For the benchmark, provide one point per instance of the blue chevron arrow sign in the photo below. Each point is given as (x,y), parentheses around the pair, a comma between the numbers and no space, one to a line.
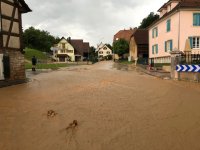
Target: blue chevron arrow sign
(188,68)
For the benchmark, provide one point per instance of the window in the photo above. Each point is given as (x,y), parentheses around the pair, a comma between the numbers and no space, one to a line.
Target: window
(63,45)
(100,52)
(155,49)
(196,19)
(168,25)
(108,52)
(168,46)
(195,42)
(105,48)
(155,32)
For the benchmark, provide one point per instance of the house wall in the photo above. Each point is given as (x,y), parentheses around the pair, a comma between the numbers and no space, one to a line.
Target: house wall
(68,46)
(163,36)
(17,65)
(133,49)
(163,12)
(179,40)
(173,5)
(187,29)
(14,47)
(104,52)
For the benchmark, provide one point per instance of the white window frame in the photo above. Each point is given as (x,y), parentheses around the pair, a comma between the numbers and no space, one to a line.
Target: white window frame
(168,46)
(195,42)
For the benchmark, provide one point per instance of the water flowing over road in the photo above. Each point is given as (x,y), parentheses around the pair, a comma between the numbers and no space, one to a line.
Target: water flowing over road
(116,108)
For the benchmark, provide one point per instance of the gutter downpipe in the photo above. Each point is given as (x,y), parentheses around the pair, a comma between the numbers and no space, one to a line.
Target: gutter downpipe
(179,30)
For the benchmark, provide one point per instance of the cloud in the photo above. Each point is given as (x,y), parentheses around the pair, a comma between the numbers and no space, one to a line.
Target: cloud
(91,20)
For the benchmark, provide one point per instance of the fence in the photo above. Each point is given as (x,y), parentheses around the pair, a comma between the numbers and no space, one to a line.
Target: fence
(189,58)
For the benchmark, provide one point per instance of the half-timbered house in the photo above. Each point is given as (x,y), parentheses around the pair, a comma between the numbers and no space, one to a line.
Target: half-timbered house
(11,45)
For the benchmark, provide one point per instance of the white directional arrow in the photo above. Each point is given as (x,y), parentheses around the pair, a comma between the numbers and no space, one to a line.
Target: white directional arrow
(179,68)
(184,68)
(191,68)
(198,68)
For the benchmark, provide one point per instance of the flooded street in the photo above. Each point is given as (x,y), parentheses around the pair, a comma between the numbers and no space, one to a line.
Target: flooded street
(116,108)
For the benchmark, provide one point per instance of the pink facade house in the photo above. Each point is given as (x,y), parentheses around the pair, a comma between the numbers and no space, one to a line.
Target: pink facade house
(178,28)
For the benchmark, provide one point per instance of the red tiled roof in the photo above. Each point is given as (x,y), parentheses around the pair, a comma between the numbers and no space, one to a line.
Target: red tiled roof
(124,34)
(141,36)
(79,46)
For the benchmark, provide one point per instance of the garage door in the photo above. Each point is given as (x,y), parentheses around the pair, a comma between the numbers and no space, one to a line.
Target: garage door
(1,67)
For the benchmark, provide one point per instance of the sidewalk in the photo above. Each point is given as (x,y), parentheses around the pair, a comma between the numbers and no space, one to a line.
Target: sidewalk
(159,73)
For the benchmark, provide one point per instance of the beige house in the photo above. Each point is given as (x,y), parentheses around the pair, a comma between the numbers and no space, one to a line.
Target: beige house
(138,47)
(12,68)
(103,50)
(63,51)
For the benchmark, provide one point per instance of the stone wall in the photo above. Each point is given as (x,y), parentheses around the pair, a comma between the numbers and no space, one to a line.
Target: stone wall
(17,65)
(189,76)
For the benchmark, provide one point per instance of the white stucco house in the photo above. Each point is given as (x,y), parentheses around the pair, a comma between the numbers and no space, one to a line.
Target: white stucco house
(103,50)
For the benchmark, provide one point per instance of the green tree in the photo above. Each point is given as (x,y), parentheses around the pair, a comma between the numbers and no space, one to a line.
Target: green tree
(93,55)
(121,47)
(148,20)
(39,39)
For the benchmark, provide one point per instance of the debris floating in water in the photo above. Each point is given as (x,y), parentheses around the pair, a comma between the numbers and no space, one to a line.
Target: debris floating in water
(72,125)
(51,113)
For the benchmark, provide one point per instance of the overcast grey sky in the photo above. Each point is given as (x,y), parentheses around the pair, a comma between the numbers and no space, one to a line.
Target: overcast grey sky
(91,20)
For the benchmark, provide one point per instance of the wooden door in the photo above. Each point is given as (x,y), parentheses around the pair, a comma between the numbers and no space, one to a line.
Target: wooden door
(1,67)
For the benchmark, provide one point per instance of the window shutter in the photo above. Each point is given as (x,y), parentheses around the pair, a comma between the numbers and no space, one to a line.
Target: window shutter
(171,45)
(165,46)
(156,32)
(191,42)
(152,33)
(157,49)
(152,49)
(194,20)
(198,19)
(168,25)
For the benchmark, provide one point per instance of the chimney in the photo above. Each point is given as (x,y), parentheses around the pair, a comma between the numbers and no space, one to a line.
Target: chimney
(69,39)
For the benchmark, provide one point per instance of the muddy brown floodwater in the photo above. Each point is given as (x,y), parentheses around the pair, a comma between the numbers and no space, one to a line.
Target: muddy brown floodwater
(100,107)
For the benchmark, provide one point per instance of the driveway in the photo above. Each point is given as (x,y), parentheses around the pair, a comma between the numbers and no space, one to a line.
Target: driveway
(116,108)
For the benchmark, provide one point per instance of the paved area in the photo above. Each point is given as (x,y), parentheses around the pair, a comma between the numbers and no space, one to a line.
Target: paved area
(116,108)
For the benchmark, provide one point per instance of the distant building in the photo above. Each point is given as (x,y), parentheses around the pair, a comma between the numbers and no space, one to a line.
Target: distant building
(12,66)
(103,50)
(63,51)
(139,44)
(124,34)
(81,49)
(177,28)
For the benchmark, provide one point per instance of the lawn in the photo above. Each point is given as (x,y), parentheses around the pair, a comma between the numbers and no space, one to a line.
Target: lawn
(125,62)
(41,57)
(29,53)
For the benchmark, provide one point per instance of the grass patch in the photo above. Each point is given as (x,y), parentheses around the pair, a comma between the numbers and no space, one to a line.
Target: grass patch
(161,64)
(125,62)
(46,66)
(29,53)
